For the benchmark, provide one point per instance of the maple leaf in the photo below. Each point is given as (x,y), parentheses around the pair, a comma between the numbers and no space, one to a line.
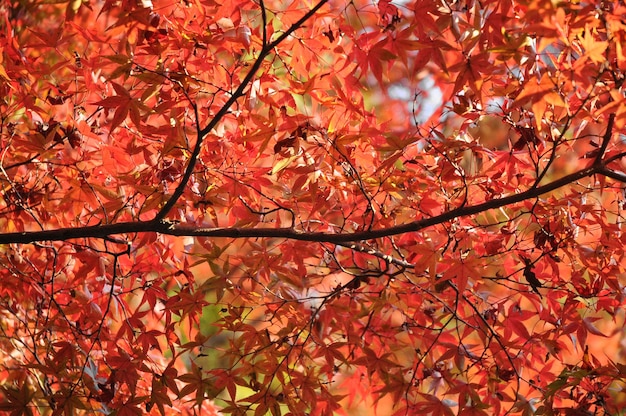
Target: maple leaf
(594,49)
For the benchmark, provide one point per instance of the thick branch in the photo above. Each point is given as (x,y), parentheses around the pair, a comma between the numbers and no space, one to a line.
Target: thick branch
(62,234)
(618,176)
(164,227)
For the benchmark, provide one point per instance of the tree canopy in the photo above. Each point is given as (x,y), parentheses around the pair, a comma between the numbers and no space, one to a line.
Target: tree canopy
(295,207)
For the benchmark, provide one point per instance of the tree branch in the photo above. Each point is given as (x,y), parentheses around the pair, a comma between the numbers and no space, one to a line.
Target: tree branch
(605,140)
(618,176)
(192,230)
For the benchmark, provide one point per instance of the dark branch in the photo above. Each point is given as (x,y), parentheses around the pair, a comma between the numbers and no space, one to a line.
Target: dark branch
(605,140)
(165,227)
(618,176)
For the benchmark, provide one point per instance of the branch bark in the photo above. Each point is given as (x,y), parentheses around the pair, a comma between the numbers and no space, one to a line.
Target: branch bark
(192,230)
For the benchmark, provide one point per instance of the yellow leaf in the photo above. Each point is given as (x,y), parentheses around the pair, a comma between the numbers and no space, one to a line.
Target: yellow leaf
(594,50)
(282,164)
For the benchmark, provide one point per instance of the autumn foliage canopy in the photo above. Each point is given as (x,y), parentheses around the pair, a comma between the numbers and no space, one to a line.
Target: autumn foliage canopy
(290,207)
